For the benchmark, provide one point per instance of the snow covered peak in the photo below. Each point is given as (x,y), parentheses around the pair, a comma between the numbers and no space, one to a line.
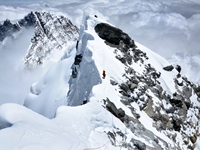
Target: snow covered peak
(8,28)
(52,36)
(141,102)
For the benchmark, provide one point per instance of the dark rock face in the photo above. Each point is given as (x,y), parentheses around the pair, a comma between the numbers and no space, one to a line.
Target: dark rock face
(119,113)
(109,33)
(178,68)
(76,65)
(168,68)
(140,145)
(7,29)
(114,36)
(78,59)
(28,21)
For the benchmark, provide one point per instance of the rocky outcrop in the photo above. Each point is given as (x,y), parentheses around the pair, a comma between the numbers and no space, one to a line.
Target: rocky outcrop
(114,36)
(110,106)
(170,112)
(28,21)
(135,126)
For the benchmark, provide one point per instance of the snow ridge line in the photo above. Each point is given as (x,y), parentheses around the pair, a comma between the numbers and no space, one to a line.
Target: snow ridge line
(85,71)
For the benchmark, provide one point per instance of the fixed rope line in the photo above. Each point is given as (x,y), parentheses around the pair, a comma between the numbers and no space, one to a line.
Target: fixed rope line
(96,147)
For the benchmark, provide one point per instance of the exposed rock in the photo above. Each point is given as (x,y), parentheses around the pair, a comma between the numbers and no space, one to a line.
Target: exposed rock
(123,60)
(168,68)
(114,36)
(176,102)
(124,87)
(176,123)
(140,145)
(110,106)
(178,68)
(178,75)
(113,82)
(149,109)
(193,138)
(130,70)
(28,21)
(187,92)
(133,86)
(157,90)
(111,136)
(74,71)
(78,59)
(177,82)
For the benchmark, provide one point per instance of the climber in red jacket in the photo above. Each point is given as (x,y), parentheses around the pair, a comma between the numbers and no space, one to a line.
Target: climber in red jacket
(104,74)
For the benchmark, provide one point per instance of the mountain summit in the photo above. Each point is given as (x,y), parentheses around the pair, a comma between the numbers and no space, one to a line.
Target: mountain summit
(143,102)
(53,33)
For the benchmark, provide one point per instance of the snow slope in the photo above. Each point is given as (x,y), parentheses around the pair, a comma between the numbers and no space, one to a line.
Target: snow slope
(69,130)
(60,121)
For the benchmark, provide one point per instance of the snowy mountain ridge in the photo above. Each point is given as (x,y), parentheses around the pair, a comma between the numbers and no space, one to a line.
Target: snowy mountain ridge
(52,34)
(147,104)
(9,29)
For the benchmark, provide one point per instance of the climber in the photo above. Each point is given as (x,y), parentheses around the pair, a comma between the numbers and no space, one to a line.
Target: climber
(95,16)
(104,74)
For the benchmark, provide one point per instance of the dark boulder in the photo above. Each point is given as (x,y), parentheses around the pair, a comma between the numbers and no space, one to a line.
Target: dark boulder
(119,113)
(140,145)
(109,33)
(176,124)
(114,35)
(176,102)
(168,68)
(178,68)
(124,87)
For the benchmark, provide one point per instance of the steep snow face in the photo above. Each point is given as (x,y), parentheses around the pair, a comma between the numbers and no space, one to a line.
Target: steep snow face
(52,36)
